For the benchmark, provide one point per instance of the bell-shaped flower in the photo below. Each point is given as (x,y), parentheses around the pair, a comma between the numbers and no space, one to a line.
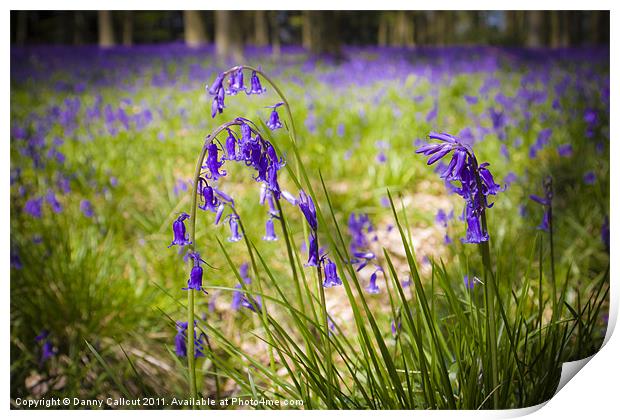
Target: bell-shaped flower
(179,232)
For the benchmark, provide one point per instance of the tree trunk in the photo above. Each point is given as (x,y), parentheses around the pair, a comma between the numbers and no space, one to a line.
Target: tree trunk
(403,29)
(79,27)
(306,30)
(127,28)
(275,34)
(324,34)
(106,28)
(21,34)
(261,28)
(382,35)
(534,27)
(194,28)
(228,37)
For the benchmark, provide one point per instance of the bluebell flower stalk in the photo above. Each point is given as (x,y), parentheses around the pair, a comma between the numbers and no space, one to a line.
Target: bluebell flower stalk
(547,225)
(476,185)
(248,147)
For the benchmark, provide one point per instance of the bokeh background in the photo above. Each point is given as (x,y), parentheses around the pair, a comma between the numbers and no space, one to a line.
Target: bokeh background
(109,111)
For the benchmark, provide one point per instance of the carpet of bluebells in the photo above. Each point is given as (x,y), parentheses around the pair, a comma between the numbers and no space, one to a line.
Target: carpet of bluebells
(103,151)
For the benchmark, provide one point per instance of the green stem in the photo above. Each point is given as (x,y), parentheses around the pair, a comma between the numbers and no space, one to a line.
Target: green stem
(489,293)
(191,362)
(553,287)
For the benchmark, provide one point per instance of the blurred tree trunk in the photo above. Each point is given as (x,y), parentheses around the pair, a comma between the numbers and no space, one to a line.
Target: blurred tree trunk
(576,25)
(106,28)
(324,38)
(127,28)
(194,28)
(228,36)
(421,28)
(275,34)
(79,27)
(306,30)
(600,31)
(535,25)
(261,28)
(556,31)
(21,33)
(403,29)
(382,35)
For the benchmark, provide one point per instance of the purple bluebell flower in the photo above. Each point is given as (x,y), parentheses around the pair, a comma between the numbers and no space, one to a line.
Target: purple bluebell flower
(307,208)
(34,207)
(210,201)
(396,327)
(565,150)
(195,276)
(237,81)
(274,119)
(289,197)
(546,202)
(331,274)
(16,261)
(233,223)
(217,84)
(87,208)
(472,100)
(605,233)
(255,86)
(180,341)
(270,233)
(50,197)
(47,348)
(589,178)
(476,181)
(313,251)
(213,164)
(372,287)
(231,145)
(469,283)
(219,213)
(432,114)
(443,218)
(178,229)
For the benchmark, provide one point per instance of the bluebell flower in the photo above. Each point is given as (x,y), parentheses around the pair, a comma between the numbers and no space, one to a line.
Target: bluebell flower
(469,283)
(589,178)
(178,229)
(605,233)
(255,85)
(195,276)
(34,207)
(50,197)
(217,84)
(274,119)
(180,341)
(47,348)
(233,223)
(16,261)
(565,150)
(87,208)
(270,233)
(546,202)
(331,274)
(213,164)
(313,251)
(208,196)
(372,287)
(231,146)
(307,208)
(476,181)
(396,327)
